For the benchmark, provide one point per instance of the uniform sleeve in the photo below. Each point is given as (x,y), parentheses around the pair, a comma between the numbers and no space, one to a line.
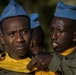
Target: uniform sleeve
(68,66)
(55,62)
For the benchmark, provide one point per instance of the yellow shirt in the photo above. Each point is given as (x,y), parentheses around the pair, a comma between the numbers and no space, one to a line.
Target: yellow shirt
(20,66)
(68,51)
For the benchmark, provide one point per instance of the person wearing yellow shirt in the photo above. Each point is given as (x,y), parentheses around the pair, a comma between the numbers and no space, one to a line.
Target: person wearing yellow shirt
(15,26)
(16,33)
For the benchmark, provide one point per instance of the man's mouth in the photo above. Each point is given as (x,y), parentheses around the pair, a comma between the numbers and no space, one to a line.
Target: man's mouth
(54,45)
(21,47)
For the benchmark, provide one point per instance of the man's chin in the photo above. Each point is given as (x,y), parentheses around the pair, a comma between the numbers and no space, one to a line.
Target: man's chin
(57,50)
(22,53)
(23,56)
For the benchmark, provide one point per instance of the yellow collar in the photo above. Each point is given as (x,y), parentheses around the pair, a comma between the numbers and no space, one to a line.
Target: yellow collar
(17,65)
(68,51)
(20,66)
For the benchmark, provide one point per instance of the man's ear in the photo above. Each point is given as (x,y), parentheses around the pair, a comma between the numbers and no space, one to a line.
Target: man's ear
(2,39)
(31,44)
(74,37)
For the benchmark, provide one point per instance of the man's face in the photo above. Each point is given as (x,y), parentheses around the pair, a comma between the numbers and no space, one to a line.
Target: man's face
(61,34)
(16,35)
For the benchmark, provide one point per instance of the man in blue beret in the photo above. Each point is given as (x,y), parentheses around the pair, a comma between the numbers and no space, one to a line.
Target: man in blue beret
(63,42)
(16,26)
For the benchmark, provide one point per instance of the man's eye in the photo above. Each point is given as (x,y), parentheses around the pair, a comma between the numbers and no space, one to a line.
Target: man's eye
(60,31)
(11,34)
(25,31)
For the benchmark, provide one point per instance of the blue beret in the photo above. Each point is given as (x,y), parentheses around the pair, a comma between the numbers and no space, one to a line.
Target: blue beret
(65,11)
(14,9)
(33,19)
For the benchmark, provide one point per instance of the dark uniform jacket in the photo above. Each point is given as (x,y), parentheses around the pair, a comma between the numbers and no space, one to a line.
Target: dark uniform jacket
(6,72)
(65,64)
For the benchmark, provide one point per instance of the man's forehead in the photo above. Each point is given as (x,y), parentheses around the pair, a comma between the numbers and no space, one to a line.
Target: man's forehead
(15,28)
(61,22)
(16,22)
(15,19)
(61,19)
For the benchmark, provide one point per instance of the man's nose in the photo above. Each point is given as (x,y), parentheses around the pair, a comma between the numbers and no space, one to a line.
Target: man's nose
(19,38)
(54,35)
